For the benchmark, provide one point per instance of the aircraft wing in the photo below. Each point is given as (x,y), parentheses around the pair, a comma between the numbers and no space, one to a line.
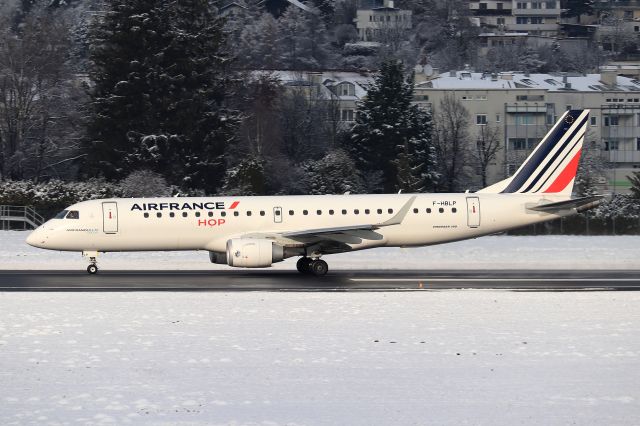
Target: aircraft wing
(580,204)
(342,235)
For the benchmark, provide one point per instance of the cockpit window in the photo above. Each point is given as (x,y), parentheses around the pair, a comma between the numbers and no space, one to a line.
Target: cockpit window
(62,214)
(73,214)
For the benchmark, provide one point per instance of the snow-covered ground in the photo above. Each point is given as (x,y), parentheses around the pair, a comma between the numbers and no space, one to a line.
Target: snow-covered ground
(404,358)
(493,252)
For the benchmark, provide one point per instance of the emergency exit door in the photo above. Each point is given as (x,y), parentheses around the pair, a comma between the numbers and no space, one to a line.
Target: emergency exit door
(277,214)
(110,217)
(473,212)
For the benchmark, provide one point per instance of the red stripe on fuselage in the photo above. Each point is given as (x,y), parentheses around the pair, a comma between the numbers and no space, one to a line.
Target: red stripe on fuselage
(234,205)
(566,176)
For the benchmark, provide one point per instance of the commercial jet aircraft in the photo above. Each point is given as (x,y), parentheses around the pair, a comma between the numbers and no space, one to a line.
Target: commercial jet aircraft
(255,232)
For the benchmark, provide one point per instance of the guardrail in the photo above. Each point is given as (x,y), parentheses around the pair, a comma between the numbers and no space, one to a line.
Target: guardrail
(22,216)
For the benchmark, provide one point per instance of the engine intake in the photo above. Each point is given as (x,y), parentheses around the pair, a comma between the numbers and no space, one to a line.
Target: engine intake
(253,253)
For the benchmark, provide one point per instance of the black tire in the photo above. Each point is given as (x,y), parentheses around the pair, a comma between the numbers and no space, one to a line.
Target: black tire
(303,265)
(319,268)
(92,269)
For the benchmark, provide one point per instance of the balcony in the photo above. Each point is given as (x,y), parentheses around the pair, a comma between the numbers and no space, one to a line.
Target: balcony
(621,156)
(537,12)
(620,132)
(534,27)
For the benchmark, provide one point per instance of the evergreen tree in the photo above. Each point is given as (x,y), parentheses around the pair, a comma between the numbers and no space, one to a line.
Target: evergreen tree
(159,70)
(391,135)
(635,184)
(332,174)
(573,8)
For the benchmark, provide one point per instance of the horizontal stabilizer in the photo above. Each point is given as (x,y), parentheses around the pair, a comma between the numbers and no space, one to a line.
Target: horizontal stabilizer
(580,204)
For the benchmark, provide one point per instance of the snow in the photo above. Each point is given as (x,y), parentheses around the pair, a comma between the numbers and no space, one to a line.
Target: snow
(445,358)
(492,252)
(481,357)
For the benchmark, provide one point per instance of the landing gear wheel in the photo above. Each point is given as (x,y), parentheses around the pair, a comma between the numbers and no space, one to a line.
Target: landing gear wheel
(303,265)
(92,269)
(319,267)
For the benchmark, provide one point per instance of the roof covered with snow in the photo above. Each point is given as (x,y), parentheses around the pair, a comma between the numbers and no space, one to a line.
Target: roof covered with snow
(554,82)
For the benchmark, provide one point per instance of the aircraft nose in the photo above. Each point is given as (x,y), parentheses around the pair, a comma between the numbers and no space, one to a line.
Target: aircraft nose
(37,238)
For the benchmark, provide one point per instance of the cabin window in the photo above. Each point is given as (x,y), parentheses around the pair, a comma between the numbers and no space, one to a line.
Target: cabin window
(248,213)
(262,213)
(197,214)
(62,214)
(172,214)
(184,214)
(236,213)
(441,210)
(146,215)
(305,212)
(73,214)
(454,210)
(415,210)
(223,214)
(319,212)
(344,211)
(291,212)
(356,211)
(367,211)
(159,214)
(428,210)
(331,212)
(210,214)
(379,211)
(390,211)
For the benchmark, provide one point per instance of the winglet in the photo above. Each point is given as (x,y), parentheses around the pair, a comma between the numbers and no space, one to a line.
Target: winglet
(399,217)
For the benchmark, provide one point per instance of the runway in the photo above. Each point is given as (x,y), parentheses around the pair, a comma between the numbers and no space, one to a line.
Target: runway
(355,280)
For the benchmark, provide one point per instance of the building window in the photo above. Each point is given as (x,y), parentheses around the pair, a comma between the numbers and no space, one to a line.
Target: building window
(536,20)
(482,6)
(500,6)
(637,144)
(521,20)
(519,144)
(521,5)
(611,145)
(481,119)
(347,89)
(594,121)
(612,120)
(347,114)
(525,119)
(498,118)
(500,21)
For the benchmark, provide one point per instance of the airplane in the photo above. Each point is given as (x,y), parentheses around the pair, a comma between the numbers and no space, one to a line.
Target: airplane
(255,232)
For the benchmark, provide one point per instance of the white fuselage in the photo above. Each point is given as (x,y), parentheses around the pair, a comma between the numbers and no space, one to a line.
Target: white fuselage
(208,223)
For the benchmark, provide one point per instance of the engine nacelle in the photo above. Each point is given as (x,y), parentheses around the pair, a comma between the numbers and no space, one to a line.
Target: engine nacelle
(253,253)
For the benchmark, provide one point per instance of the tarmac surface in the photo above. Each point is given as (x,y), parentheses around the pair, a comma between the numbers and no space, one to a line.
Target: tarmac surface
(355,280)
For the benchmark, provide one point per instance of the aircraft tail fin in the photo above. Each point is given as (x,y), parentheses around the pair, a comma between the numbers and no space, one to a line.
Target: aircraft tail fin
(552,166)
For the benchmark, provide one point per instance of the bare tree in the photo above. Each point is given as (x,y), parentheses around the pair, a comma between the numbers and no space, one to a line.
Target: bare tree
(38,134)
(451,140)
(486,149)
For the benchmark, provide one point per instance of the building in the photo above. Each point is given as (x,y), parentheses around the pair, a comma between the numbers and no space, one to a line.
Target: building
(533,17)
(524,107)
(380,22)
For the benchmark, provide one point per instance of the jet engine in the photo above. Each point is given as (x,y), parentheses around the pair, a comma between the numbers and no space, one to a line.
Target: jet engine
(253,253)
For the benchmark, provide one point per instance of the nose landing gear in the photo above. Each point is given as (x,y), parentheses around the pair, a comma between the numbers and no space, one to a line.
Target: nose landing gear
(317,267)
(93,256)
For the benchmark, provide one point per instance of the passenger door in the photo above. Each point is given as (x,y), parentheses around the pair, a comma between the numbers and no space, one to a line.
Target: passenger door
(110,217)
(473,212)
(277,214)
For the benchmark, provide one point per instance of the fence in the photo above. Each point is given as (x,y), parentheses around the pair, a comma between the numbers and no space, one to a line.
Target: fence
(19,217)
(583,224)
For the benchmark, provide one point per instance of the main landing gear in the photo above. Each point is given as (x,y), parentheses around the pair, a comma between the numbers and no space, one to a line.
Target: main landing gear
(317,267)
(93,259)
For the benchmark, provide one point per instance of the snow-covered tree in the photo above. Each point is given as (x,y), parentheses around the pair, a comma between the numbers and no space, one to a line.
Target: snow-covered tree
(259,44)
(486,150)
(159,68)
(144,183)
(246,178)
(303,39)
(635,184)
(391,135)
(335,173)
